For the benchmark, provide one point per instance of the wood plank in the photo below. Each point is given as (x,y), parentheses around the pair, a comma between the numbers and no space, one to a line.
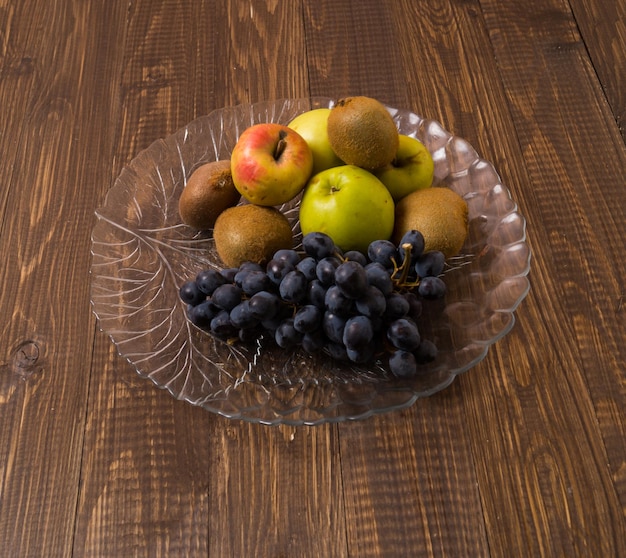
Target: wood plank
(277,491)
(553,95)
(55,67)
(260,52)
(602,27)
(410,487)
(140,442)
(350,51)
(144,487)
(17,71)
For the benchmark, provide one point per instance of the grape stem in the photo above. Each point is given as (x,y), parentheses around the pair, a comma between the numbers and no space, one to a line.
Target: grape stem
(404,269)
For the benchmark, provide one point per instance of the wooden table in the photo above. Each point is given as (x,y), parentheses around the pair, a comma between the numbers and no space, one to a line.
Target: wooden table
(525,455)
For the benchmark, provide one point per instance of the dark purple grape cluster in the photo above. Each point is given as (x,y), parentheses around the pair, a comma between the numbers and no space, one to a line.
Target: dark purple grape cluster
(356,307)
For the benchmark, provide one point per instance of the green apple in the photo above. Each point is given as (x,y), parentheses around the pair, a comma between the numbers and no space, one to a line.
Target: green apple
(350,205)
(412,169)
(311,125)
(270,164)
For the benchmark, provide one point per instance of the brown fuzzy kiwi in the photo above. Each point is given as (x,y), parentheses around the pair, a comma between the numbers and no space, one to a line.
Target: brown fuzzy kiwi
(250,233)
(362,132)
(209,191)
(439,213)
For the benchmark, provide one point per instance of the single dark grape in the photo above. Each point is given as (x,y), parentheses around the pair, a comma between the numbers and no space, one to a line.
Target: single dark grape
(402,364)
(356,256)
(358,332)
(373,303)
(202,314)
(313,341)
(208,280)
(277,269)
(251,266)
(316,293)
(432,288)
(333,326)
(286,335)
(351,279)
(426,352)
(229,274)
(221,325)
(415,240)
(293,287)
(337,302)
(378,276)
(288,255)
(318,245)
(415,305)
(191,294)
(242,317)
(226,296)
(264,305)
(244,269)
(430,264)
(308,266)
(383,252)
(397,306)
(403,334)
(361,355)
(308,318)
(325,270)
(255,282)
(239,276)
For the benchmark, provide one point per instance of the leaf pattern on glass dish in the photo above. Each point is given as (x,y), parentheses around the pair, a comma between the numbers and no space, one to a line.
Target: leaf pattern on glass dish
(142,253)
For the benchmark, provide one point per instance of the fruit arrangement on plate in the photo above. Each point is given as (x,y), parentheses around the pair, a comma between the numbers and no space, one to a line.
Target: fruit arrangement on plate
(374,235)
(143,253)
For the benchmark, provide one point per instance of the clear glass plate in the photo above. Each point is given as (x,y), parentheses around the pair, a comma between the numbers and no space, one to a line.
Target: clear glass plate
(142,253)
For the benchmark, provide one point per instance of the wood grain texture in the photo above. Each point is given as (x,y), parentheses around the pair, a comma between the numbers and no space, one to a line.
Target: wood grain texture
(562,458)
(51,67)
(280,493)
(260,51)
(140,441)
(601,25)
(523,455)
(352,64)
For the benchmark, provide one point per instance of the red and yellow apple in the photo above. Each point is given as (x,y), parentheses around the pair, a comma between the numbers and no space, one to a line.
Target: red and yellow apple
(312,126)
(412,168)
(270,164)
(350,205)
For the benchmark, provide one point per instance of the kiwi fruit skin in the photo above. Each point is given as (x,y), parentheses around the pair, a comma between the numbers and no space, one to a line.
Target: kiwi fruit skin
(252,233)
(208,192)
(440,214)
(362,132)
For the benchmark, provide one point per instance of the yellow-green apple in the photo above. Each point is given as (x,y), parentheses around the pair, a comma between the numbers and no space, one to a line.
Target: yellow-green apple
(311,125)
(350,205)
(270,164)
(412,168)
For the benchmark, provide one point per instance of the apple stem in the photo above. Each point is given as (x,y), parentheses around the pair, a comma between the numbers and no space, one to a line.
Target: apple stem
(281,145)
